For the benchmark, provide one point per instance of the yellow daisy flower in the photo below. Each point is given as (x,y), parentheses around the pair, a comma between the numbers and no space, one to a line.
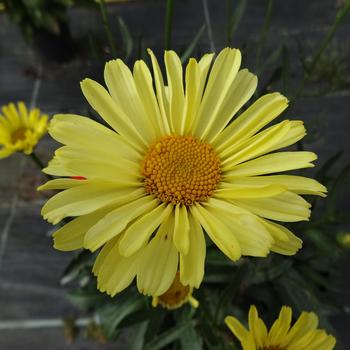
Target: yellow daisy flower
(176,296)
(303,335)
(171,166)
(20,129)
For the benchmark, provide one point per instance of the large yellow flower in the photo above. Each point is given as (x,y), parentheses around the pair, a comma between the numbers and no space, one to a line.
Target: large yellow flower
(303,335)
(20,129)
(171,166)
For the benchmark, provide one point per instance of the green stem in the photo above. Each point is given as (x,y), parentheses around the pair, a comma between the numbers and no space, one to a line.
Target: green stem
(107,27)
(339,18)
(264,32)
(39,164)
(229,22)
(168,23)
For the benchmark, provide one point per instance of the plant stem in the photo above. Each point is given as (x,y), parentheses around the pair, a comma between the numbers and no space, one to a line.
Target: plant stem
(169,12)
(208,25)
(229,22)
(39,164)
(107,27)
(264,31)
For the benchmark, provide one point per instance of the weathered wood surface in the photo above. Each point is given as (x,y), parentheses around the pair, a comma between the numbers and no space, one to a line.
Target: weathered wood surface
(30,268)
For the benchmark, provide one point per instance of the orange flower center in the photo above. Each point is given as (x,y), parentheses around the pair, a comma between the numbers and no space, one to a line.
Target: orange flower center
(19,135)
(181,169)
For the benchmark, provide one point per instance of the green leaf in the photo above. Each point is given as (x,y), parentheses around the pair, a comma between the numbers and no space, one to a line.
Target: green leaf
(327,166)
(270,273)
(168,336)
(86,299)
(190,339)
(234,18)
(111,315)
(285,68)
(127,38)
(137,336)
(189,50)
(76,266)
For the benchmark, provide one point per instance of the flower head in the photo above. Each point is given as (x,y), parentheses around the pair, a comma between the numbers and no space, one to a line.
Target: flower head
(176,296)
(20,129)
(303,335)
(172,166)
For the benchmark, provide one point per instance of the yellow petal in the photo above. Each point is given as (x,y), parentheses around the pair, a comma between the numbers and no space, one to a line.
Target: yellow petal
(60,184)
(77,131)
(241,90)
(259,114)
(287,206)
(23,113)
(12,116)
(297,184)
(273,163)
(104,105)
(85,199)
(285,242)
(121,85)
(160,89)
(116,221)
(218,87)
(90,165)
(176,91)
(192,264)
(196,79)
(192,97)
(257,327)
(181,229)
(251,235)
(116,272)
(256,145)
(234,191)
(144,86)
(71,235)
(141,230)
(159,262)
(236,328)
(219,233)
(296,133)
(307,322)
(280,327)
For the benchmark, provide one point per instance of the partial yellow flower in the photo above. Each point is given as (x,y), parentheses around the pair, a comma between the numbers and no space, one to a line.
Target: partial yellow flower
(176,296)
(20,129)
(172,166)
(303,335)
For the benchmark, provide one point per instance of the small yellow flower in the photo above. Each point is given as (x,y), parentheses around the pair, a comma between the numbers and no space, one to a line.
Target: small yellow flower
(176,296)
(20,129)
(303,335)
(173,167)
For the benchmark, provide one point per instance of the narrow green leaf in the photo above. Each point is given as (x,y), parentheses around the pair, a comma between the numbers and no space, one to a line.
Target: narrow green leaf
(285,68)
(234,18)
(75,267)
(189,50)
(111,315)
(127,38)
(190,339)
(264,32)
(137,337)
(168,337)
